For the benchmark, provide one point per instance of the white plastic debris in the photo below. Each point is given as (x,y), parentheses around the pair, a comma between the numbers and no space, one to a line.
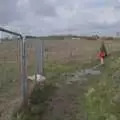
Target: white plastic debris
(38,78)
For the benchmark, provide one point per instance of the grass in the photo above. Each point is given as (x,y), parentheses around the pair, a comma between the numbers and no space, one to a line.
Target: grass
(102,98)
(9,74)
(38,103)
(40,98)
(54,71)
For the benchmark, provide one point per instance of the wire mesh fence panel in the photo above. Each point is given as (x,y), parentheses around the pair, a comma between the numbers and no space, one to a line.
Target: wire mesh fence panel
(9,77)
(31,57)
(9,62)
(30,49)
(35,56)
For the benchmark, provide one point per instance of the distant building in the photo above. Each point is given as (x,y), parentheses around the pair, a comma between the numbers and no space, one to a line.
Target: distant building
(74,38)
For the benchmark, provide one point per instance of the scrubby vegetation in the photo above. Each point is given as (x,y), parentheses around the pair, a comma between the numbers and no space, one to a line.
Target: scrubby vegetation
(103,96)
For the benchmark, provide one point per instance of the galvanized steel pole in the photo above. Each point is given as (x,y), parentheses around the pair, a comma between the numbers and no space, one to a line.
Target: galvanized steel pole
(24,82)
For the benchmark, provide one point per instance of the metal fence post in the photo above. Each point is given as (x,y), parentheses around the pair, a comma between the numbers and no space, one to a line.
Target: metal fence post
(24,81)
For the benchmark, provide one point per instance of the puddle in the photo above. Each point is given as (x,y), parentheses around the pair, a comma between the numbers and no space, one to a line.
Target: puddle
(82,75)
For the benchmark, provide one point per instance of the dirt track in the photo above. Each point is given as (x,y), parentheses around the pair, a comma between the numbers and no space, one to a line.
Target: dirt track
(69,103)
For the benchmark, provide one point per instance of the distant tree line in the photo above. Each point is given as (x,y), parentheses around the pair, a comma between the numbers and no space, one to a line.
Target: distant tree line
(62,37)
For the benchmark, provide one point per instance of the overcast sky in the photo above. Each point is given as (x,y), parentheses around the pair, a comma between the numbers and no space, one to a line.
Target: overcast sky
(46,17)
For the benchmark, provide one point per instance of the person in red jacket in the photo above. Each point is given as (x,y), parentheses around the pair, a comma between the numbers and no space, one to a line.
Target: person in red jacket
(101,56)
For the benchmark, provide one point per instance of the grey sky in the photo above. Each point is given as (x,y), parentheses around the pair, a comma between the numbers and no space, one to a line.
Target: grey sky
(45,17)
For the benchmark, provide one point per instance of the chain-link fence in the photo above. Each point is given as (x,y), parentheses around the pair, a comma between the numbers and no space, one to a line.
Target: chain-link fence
(10,94)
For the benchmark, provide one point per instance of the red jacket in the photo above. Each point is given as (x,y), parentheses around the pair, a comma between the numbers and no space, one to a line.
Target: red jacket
(101,55)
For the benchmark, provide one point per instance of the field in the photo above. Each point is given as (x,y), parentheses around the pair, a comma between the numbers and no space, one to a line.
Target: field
(78,50)
(61,57)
